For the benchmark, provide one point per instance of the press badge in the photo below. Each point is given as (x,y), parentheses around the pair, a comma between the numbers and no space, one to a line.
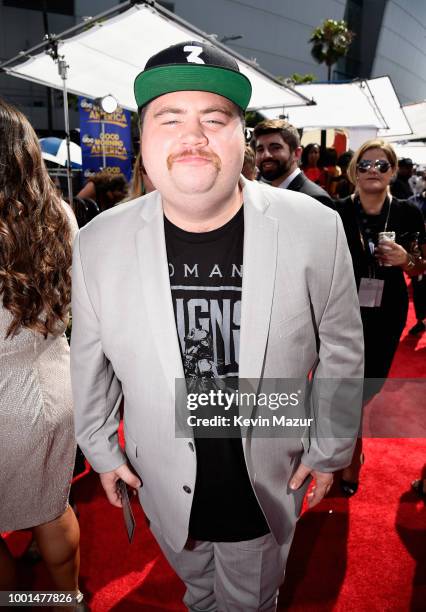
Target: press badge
(370,292)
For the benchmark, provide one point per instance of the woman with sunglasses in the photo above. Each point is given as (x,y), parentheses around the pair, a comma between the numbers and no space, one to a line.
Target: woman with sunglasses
(379,262)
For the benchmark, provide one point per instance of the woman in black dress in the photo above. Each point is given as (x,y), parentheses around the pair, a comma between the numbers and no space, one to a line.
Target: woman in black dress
(379,265)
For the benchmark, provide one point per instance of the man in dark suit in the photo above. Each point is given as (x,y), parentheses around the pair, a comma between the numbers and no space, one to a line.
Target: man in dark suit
(278,151)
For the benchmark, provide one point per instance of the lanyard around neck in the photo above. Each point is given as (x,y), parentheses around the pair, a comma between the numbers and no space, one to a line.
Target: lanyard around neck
(385,229)
(365,239)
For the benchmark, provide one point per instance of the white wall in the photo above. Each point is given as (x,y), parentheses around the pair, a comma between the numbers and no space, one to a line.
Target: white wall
(401,51)
(275,32)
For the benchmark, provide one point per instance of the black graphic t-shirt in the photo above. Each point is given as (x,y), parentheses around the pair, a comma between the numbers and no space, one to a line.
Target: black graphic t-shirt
(206,279)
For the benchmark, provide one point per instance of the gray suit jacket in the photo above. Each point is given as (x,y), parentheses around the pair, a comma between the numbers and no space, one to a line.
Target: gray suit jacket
(299,313)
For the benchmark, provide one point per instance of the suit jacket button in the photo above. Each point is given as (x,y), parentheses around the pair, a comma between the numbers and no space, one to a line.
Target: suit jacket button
(186,489)
(191,446)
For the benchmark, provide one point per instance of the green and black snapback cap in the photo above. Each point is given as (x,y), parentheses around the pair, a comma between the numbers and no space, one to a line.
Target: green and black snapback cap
(192,66)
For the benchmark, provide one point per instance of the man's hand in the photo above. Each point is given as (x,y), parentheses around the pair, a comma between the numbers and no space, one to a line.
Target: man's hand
(109,483)
(323,482)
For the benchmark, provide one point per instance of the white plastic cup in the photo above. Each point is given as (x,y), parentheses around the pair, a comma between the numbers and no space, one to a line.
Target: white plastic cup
(386,237)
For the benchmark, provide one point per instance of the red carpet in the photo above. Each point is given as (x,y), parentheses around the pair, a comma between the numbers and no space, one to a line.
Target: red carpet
(363,554)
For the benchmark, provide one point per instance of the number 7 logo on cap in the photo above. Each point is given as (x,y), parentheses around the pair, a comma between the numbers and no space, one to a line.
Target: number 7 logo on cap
(194,54)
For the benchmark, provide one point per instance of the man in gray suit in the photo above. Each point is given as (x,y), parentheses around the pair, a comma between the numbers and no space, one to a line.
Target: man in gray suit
(278,152)
(209,278)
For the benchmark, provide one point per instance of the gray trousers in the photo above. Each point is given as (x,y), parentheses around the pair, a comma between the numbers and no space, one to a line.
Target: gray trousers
(229,576)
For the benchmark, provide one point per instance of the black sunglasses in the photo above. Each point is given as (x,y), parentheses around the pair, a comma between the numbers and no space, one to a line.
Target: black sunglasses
(366,164)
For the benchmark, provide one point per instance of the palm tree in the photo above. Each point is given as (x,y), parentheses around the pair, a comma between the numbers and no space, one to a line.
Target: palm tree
(330,41)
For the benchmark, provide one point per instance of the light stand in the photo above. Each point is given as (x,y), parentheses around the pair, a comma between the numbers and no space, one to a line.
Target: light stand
(63,73)
(63,69)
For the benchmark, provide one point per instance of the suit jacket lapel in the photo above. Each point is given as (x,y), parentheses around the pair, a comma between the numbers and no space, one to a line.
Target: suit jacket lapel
(297,182)
(259,267)
(154,273)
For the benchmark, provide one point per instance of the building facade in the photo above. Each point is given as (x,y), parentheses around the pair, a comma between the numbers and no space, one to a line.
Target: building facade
(390,38)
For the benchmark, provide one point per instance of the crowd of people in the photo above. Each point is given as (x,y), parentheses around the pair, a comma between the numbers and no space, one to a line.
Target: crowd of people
(330,226)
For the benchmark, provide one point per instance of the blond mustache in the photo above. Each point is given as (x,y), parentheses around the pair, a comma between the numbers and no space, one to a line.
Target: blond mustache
(215,159)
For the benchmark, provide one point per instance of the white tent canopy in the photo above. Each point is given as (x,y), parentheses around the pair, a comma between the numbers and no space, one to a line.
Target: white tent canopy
(107,57)
(371,104)
(416,115)
(417,152)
